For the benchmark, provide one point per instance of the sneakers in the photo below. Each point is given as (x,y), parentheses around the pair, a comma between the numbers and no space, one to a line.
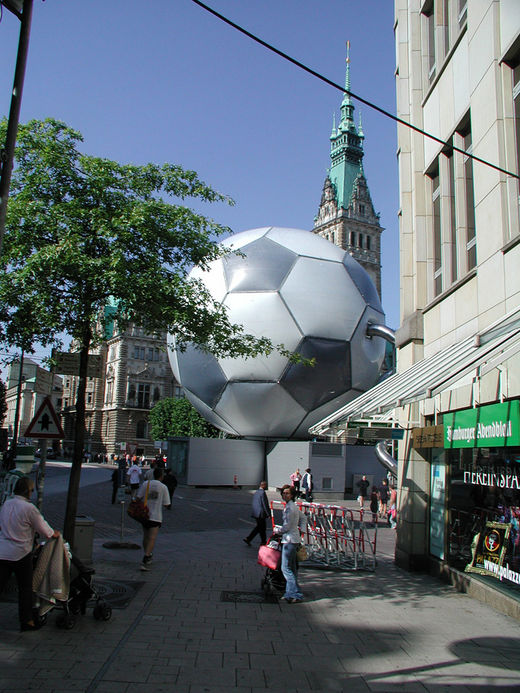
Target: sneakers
(147,561)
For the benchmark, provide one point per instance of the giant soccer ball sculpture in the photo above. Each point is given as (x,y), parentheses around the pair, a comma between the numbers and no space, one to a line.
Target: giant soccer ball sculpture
(301,291)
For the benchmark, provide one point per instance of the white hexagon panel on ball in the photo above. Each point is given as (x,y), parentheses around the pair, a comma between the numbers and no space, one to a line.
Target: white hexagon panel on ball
(301,291)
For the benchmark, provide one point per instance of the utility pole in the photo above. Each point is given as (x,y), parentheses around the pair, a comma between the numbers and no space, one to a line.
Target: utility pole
(7,152)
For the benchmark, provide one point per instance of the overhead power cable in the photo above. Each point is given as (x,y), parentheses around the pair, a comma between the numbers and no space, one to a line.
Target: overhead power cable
(448,145)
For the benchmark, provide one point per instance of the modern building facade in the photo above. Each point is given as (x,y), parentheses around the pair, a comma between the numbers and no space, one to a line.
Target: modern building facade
(456,392)
(346,215)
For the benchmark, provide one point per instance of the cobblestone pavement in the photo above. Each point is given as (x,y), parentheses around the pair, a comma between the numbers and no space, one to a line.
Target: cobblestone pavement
(386,630)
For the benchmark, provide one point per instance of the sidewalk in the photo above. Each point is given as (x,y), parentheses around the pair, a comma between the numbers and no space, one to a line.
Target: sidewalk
(355,631)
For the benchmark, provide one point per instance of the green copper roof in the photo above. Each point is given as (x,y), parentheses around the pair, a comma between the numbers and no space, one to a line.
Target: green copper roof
(346,148)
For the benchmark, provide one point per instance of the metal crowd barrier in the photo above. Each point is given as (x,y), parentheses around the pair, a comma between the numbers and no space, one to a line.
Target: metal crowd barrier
(335,536)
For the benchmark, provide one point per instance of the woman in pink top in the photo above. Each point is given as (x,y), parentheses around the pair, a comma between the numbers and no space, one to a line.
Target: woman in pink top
(295,481)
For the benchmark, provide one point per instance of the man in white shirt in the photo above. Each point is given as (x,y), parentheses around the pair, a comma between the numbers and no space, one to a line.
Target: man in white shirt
(157,497)
(19,521)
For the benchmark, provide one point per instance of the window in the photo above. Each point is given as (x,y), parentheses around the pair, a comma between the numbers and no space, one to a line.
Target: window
(352,240)
(89,398)
(471,240)
(141,430)
(139,352)
(156,393)
(143,395)
(429,38)
(463,12)
(178,392)
(516,111)
(107,428)
(362,210)
(437,242)
(110,390)
(452,248)
(452,218)
(368,242)
(326,483)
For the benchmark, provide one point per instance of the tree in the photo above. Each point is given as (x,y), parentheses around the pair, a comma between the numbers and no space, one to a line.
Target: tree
(83,231)
(174,416)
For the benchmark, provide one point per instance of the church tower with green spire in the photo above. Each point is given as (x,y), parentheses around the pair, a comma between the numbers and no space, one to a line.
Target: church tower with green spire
(346,215)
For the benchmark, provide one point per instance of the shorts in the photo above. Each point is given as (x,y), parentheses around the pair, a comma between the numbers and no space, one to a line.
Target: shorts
(148,524)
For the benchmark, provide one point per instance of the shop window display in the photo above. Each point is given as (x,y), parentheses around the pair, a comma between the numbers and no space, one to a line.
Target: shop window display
(484,513)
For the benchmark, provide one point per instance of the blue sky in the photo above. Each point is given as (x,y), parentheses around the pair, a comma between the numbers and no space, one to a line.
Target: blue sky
(166,81)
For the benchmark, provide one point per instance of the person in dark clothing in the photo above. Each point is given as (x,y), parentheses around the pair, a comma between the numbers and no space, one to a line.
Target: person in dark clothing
(260,511)
(170,481)
(383,498)
(307,485)
(374,504)
(363,485)
(115,484)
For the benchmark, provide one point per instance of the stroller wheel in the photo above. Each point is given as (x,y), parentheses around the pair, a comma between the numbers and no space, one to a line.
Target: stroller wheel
(65,621)
(102,612)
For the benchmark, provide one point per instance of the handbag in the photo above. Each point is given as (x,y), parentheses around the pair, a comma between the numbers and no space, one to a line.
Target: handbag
(138,509)
(301,553)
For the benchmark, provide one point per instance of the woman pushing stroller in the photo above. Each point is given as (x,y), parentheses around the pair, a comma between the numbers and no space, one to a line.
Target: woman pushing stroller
(293,521)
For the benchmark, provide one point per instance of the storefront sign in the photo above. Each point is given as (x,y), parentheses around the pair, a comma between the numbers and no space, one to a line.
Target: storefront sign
(497,425)
(428,437)
(490,549)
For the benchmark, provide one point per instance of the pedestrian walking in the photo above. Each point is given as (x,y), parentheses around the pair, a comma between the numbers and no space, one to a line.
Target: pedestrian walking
(115,484)
(19,520)
(383,498)
(292,522)
(307,484)
(296,478)
(148,475)
(260,511)
(363,485)
(170,481)
(374,504)
(134,477)
(157,498)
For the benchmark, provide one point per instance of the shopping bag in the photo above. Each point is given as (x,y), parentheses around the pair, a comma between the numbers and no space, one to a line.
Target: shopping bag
(138,510)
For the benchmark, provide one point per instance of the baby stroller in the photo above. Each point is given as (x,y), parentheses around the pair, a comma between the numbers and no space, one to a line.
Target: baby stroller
(75,582)
(270,556)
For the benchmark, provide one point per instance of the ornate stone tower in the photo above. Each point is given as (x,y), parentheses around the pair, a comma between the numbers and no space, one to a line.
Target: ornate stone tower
(346,214)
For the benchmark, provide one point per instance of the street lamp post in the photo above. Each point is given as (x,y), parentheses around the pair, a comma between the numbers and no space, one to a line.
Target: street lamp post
(23,10)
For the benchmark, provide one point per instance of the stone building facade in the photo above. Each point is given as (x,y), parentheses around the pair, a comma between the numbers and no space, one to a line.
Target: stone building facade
(346,214)
(136,375)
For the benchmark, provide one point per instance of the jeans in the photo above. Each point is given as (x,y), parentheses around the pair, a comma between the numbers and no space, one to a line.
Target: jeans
(290,572)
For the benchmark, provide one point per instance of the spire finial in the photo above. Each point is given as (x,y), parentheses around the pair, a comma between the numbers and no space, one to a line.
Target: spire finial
(347,75)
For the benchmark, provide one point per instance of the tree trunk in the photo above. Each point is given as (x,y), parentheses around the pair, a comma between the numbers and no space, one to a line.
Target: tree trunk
(79,441)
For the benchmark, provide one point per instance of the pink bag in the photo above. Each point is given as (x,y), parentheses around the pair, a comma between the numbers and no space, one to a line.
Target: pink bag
(269,556)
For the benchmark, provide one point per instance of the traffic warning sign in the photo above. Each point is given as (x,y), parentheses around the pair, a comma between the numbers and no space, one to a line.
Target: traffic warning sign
(45,423)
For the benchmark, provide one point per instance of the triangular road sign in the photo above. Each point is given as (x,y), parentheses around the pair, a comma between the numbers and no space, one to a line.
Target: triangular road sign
(45,423)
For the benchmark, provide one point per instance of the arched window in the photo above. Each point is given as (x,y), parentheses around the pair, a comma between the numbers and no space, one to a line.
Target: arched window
(107,428)
(368,242)
(141,429)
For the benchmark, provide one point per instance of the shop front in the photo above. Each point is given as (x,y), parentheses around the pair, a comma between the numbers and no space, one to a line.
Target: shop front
(475,495)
